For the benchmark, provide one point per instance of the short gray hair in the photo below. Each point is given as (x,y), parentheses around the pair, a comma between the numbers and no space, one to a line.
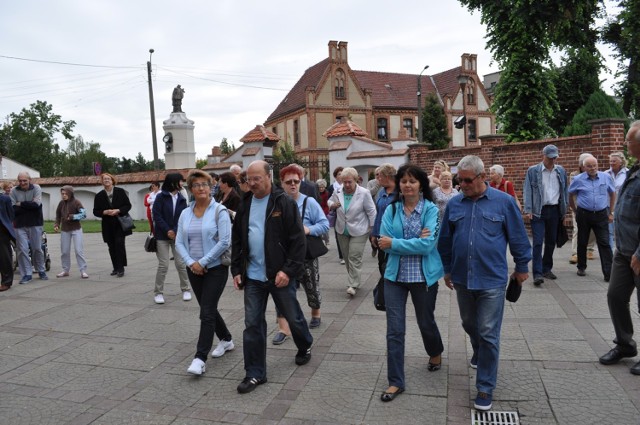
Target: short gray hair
(498,169)
(582,157)
(471,163)
(620,156)
(321,182)
(349,171)
(387,170)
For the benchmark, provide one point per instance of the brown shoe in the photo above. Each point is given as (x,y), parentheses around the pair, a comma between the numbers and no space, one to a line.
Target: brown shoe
(590,255)
(574,259)
(4,288)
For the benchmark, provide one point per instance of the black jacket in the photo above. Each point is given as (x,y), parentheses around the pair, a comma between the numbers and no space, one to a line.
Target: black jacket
(164,216)
(284,239)
(110,225)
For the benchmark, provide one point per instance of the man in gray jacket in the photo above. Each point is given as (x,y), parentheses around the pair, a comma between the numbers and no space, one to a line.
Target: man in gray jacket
(625,271)
(27,206)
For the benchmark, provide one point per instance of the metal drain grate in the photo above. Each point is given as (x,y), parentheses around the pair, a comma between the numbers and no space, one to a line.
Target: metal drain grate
(494,418)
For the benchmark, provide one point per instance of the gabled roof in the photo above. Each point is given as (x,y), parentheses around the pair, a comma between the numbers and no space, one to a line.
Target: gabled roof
(395,91)
(260,134)
(344,127)
(447,82)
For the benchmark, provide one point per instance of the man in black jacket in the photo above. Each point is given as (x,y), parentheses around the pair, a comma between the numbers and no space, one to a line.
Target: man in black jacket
(268,254)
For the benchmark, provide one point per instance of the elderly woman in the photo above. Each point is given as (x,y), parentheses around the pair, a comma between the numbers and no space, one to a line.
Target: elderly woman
(315,224)
(167,207)
(204,234)
(413,267)
(108,204)
(497,181)
(228,192)
(355,216)
(438,167)
(68,215)
(323,194)
(443,193)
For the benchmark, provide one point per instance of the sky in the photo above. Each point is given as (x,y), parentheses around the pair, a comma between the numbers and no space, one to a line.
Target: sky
(236,60)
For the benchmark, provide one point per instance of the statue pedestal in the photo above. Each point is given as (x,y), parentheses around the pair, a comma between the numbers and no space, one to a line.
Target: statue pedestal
(183,151)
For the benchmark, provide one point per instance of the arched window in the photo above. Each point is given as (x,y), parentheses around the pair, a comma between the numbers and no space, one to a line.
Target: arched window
(471,93)
(339,84)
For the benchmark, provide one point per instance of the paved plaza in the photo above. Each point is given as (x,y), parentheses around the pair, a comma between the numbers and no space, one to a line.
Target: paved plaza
(99,351)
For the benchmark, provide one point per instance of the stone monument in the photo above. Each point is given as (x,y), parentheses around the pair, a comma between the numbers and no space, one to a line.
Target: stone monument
(180,149)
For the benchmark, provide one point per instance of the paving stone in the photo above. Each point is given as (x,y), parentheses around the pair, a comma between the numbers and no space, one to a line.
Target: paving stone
(595,411)
(224,395)
(20,410)
(562,350)
(36,346)
(11,362)
(102,380)
(115,417)
(550,329)
(50,375)
(580,384)
(407,409)
(330,406)
(15,309)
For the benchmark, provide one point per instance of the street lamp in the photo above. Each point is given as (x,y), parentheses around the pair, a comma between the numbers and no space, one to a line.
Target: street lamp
(156,164)
(419,94)
(463,80)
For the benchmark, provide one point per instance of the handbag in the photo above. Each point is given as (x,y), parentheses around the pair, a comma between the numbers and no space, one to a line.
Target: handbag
(378,296)
(562,236)
(150,244)
(331,216)
(126,222)
(225,257)
(315,245)
(513,290)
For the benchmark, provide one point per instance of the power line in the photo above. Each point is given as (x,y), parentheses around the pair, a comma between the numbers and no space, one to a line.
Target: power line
(65,63)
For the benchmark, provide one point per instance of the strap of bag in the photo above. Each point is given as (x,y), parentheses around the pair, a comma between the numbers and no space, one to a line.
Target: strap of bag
(304,206)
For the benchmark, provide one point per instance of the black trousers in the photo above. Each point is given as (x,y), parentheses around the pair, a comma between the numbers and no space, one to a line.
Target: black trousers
(623,282)
(6,263)
(598,222)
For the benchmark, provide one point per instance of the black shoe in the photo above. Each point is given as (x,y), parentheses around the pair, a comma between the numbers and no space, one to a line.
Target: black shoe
(615,355)
(606,278)
(249,384)
(120,274)
(387,396)
(538,281)
(581,272)
(550,275)
(113,273)
(303,356)
(635,369)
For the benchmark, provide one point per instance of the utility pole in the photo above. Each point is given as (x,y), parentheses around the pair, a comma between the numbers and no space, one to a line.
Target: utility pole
(419,93)
(156,164)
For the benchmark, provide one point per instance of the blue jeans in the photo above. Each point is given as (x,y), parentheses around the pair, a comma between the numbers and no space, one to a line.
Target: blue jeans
(256,294)
(424,302)
(481,312)
(544,229)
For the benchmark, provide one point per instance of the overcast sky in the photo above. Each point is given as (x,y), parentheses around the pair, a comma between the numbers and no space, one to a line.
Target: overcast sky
(235,59)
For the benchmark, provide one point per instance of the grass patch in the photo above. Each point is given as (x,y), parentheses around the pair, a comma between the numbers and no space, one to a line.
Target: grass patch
(95,226)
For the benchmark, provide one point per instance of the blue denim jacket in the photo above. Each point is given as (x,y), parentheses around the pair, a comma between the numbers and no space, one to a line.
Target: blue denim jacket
(532,190)
(474,237)
(627,216)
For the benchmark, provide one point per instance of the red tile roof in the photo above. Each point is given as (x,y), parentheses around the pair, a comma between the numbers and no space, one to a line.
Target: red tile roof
(139,177)
(260,134)
(344,127)
(447,82)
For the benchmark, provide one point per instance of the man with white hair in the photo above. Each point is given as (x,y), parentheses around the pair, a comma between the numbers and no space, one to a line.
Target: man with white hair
(27,206)
(574,235)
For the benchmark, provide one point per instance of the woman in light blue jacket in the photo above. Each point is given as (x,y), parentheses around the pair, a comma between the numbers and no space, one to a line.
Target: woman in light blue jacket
(204,234)
(413,267)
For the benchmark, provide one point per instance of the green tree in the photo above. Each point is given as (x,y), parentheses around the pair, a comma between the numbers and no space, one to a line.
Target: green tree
(284,153)
(225,147)
(79,157)
(434,124)
(520,36)
(201,162)
(623,33)
(599,105)
(29,137)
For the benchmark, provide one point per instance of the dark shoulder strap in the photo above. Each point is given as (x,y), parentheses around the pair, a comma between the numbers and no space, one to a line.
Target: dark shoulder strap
(304,206)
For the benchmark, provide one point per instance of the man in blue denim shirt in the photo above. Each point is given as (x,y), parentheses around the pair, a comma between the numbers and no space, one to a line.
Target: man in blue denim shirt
(592,196)
(385,175)
(545,204)
(625,272)
(476,228)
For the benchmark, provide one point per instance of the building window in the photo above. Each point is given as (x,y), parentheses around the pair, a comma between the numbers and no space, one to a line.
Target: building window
(296,133)
(274,130)
(383,131)
(471,90)
(472,129)
(339,118)
(407,123)
(339,85)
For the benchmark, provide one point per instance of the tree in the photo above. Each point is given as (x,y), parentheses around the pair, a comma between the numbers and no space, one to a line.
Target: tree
(520,36)
(434,124)
(29,137)
(79,157)
(599,105)
(201,162)
(225,147)
(284,153)
(623,33)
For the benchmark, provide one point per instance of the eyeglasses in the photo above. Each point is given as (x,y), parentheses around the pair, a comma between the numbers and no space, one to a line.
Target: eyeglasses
(254,179)
(199,185)
(290,182)
(467,180)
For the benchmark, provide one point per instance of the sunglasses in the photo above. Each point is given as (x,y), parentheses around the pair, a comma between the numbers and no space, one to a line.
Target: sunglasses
(290,182)
(468,180)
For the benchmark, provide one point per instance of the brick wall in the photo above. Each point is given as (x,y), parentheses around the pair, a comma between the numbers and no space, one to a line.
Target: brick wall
(607,136)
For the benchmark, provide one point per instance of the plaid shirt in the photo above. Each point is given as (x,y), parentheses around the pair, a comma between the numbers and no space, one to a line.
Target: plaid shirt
(410,269)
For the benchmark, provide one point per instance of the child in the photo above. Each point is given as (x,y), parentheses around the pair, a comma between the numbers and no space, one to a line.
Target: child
(68,215)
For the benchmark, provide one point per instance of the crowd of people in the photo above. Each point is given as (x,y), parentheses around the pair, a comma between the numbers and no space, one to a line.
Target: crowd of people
(423,228)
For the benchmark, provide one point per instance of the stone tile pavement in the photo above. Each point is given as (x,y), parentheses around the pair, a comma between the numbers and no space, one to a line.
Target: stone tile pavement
(99,351)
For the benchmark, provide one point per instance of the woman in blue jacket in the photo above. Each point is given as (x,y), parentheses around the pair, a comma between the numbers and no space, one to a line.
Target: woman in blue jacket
(413,267)
(204,234)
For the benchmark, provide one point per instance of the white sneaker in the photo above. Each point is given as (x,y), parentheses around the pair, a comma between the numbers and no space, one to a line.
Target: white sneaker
(197,367)
(186,296)
(342,261)
(223,347)
(351,291)
(159,299)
